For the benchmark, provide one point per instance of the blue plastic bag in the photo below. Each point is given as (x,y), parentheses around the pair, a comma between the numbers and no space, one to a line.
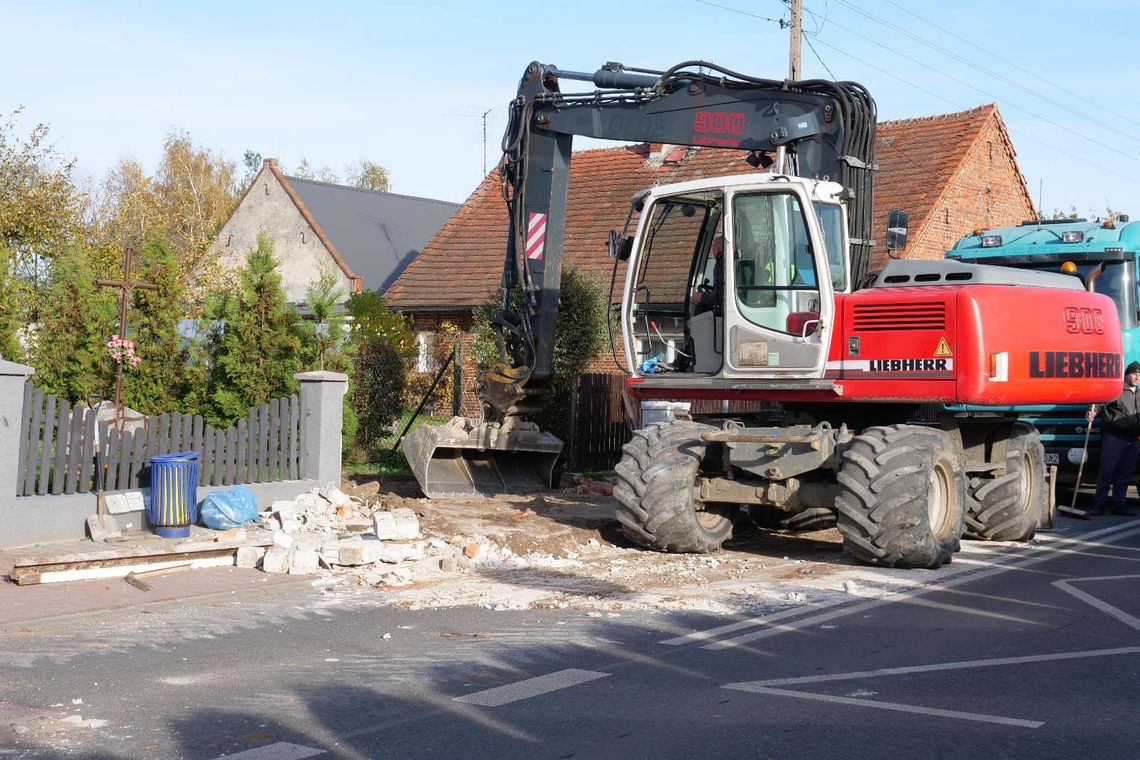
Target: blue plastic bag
(222,510)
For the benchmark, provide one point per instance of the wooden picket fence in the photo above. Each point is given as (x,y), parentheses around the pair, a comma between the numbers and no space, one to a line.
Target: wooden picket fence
(63,448)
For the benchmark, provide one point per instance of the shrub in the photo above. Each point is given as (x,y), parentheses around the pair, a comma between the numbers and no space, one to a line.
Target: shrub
(580,337)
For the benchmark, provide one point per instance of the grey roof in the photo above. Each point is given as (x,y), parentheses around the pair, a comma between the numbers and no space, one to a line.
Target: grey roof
(377,234)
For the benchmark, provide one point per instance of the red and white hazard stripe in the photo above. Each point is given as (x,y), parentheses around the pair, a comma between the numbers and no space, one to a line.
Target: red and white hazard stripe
(535,235)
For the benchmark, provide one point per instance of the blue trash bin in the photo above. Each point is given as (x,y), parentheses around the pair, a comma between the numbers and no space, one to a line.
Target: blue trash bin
(174,493)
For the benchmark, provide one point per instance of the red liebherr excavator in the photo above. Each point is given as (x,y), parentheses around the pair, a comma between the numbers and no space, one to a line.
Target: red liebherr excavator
(787,314)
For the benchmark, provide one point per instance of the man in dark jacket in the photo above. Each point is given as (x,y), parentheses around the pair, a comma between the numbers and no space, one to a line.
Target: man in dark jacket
(1119,443)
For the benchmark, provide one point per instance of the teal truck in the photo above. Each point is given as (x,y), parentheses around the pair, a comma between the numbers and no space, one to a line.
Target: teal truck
(1104,255)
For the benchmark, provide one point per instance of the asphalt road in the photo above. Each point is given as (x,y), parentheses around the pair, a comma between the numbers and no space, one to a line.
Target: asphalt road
(1021,652)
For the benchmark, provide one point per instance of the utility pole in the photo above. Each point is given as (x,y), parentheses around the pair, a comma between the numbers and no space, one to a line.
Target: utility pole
(796,24)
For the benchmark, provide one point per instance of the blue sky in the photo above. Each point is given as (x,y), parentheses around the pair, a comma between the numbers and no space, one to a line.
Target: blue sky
(407,84)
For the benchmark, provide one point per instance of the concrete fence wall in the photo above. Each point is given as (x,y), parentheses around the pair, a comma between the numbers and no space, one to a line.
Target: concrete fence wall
(27,520)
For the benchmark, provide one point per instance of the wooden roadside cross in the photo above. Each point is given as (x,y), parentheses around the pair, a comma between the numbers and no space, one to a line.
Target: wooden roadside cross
(125,285)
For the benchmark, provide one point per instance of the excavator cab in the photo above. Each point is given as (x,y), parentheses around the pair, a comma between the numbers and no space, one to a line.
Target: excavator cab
(765,309)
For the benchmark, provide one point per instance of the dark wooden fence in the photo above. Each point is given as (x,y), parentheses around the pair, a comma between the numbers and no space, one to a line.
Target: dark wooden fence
(63,448)
(601,422)
(604,419)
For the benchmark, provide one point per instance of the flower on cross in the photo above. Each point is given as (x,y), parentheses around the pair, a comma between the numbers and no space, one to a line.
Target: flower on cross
(123,351)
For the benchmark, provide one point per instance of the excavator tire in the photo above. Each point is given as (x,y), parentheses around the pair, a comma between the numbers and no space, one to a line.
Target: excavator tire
(1008,507)
(902,497)
(812,518)
(655,491)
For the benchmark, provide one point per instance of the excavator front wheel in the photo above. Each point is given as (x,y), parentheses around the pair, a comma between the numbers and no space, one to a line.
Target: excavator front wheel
(902,497)
(655,491)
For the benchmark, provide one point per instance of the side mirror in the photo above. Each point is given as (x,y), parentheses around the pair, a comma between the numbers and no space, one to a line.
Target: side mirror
(897,222)
(620,246)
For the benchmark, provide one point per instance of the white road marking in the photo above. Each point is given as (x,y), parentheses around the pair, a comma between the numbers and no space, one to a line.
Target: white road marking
(1091,600)
(278,751)
(896,707)
(938,666)
(767,687)
(1019,561)
(751,622)
(531,687)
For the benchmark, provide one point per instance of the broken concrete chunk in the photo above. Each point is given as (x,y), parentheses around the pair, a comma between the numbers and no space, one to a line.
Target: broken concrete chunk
(310,501)
(276,560)
(334,495)
(249,556)
(304,562)
(399,524)
(280,538)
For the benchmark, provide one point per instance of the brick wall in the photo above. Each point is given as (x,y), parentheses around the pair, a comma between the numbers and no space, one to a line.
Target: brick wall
(989,191)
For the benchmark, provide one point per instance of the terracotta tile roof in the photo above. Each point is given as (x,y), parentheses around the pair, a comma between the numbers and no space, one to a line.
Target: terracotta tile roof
(920,159)
(462,265)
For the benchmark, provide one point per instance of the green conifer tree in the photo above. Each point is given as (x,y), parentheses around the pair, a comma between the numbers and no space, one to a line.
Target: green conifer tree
(254,343)
(158,383)
(71,356)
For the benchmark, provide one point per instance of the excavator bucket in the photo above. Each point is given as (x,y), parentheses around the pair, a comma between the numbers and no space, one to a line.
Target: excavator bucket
(463,459)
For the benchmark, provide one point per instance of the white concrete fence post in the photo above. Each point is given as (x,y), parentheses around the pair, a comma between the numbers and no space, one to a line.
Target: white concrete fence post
(322,407)
(12,379)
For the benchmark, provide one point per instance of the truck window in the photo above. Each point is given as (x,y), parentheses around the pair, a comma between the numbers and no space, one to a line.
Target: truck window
(832,222)
(772,261)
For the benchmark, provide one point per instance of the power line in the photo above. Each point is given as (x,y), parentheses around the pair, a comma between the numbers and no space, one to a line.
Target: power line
(1029,137)
(783,24)
(988,72)
(1011,64)
(964,83)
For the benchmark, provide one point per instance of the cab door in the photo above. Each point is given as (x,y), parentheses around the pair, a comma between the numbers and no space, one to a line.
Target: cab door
(779,303)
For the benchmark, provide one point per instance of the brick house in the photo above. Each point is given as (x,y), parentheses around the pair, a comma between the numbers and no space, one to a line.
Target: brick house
(364,237)
(952,173)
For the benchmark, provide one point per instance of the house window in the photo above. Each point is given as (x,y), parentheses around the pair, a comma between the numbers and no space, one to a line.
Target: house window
(425,359)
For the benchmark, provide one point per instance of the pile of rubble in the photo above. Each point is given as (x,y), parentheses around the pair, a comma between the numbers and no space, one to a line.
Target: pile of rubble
(326,531)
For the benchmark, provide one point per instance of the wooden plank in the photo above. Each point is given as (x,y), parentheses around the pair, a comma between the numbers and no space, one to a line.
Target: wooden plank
(152,439)
(87,455)
(163,434)
(283,439)
(197,438)
(133,477)
(241,475)
(271,440)
(46,445)
(221,458)
(294,436)
(29,459)
(263,442)
(118,567)
(74,443)
(206,459)
(62,416)
(176,433)
(25,463)
(251,447)
(188,432)
(231,455)
(119,478)
(113,446)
